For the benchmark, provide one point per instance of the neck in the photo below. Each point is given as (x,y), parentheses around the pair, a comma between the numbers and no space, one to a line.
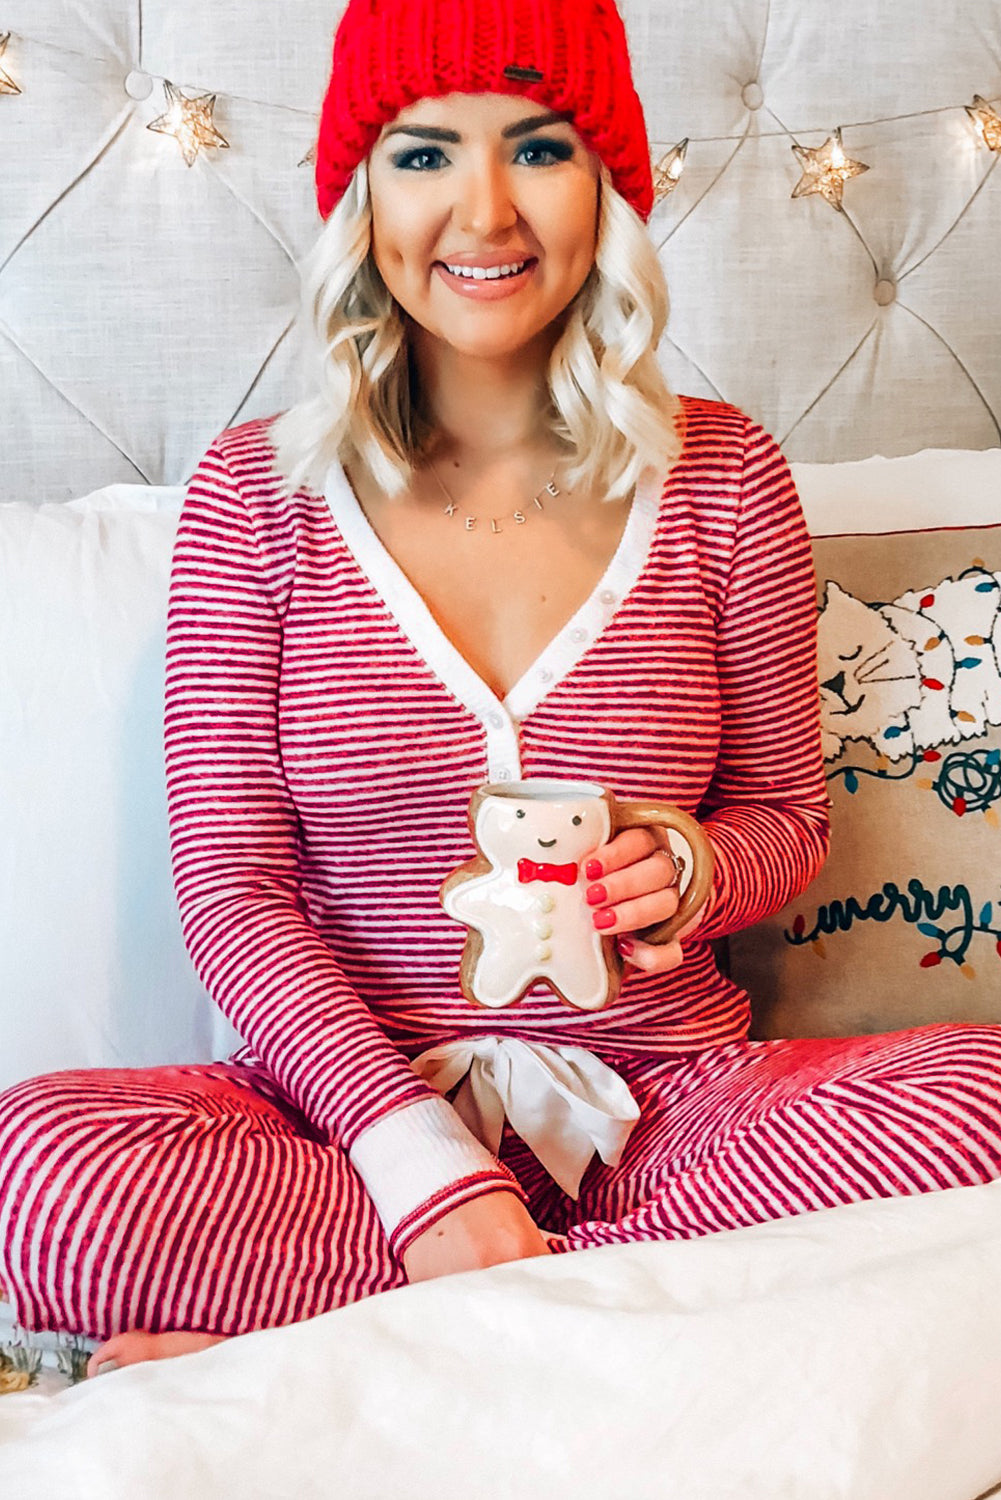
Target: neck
(484,408)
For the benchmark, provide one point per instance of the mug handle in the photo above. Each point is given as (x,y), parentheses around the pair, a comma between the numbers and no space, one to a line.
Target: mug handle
(699,857)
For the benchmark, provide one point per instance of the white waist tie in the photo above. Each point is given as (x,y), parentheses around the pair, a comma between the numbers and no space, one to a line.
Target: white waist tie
(563,1101)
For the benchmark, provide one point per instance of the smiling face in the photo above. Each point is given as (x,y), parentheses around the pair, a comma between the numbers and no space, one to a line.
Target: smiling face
(557,830)
(467,179)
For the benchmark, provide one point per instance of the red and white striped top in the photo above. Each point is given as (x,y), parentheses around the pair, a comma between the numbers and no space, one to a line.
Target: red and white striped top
(323,739)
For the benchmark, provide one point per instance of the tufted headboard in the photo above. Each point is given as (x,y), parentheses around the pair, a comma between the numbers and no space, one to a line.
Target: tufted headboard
(145,304)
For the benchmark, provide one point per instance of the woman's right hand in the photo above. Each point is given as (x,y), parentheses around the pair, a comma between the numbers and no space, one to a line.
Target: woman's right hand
(487,1231)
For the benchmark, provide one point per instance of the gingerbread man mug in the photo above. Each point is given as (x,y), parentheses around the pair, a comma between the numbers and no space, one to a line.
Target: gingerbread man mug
(522,897)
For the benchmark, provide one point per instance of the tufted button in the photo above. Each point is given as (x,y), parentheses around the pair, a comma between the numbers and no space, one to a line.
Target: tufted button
(578,634)
(753,95)
(138,85)
(495,720)
(885,292)
(606,596)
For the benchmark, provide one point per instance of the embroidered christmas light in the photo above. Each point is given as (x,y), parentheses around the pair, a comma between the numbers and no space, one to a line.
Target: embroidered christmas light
(826,169)
(667,172)
(7,84)
(987,122)
(189,121)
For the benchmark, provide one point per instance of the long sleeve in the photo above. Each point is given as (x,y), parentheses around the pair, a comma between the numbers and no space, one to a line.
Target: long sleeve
(766,808)
(235,839)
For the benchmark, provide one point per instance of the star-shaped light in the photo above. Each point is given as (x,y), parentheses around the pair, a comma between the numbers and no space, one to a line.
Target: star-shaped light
(7,84)
(668,170)
(987,121)
(826,170)
(189,121)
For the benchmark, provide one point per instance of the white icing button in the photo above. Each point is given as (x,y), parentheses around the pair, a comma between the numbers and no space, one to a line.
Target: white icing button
(543,951)
(885,292)
(495,721)
(607,597)
(578,634)
(546,902)
(542,928)
(753,95)
(138,85)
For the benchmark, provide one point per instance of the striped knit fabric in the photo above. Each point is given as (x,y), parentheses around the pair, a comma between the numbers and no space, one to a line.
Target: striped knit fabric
(322,743)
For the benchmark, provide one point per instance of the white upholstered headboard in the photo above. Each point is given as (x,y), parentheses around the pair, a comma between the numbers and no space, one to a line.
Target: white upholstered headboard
(145,304)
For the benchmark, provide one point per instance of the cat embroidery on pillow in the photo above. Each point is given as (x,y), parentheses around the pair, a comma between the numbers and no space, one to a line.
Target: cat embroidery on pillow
(909,676)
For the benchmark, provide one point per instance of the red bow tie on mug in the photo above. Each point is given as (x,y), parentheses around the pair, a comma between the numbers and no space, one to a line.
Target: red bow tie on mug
(529,870)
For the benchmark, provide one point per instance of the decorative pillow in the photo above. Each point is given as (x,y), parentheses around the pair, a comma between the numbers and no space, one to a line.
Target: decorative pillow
(903,925)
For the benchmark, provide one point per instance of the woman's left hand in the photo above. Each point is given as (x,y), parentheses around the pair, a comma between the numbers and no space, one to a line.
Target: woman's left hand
(633,885)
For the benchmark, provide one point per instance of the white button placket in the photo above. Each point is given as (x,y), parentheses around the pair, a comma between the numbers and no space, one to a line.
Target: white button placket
(503,749)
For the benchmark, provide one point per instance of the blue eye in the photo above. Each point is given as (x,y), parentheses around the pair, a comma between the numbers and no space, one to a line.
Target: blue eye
(408,159)
(557,150)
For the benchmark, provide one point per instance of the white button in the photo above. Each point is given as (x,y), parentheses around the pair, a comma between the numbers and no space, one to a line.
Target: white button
(607,597)
(546,902)
(504,774)
(543,951)
(546,675)
(138,85)
(578,634)
(496,721)
(753,95)
(542,928)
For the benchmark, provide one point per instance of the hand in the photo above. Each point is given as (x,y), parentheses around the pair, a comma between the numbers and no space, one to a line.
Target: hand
(487,1231)
(636,887)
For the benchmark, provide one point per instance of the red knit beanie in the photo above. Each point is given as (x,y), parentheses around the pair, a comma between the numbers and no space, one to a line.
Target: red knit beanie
(568,55)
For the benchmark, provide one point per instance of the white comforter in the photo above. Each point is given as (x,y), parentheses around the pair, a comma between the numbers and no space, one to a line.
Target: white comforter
(852,1353)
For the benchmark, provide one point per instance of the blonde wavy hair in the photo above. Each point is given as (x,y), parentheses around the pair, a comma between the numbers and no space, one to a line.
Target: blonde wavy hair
(610,405)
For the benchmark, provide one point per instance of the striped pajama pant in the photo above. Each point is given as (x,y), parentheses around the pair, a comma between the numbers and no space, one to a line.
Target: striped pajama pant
(197,1198)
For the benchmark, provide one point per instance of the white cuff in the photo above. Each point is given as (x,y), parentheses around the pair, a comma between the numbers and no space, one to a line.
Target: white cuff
(413,1155)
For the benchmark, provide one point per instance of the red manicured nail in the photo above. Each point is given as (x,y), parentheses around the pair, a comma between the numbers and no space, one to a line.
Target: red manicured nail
(596,895)
(626,945)
(593,869)
(604,918)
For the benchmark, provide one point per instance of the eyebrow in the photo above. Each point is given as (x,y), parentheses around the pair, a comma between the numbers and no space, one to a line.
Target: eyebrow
(523,127)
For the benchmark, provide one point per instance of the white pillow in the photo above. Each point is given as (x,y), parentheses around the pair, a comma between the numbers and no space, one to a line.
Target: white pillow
(923,491)
(93,970)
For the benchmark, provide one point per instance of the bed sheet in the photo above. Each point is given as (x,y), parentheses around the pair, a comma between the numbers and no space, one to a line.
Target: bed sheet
(851,1354)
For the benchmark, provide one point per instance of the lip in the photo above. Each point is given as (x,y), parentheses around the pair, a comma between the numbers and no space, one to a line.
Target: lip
(486,291)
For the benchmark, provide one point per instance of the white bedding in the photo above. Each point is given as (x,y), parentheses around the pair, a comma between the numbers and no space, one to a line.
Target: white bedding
(851,1353)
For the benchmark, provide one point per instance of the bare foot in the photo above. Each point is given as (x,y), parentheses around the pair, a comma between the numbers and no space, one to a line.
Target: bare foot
(134,1347)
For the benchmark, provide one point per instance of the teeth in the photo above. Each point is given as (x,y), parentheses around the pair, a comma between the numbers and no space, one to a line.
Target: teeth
(482,273)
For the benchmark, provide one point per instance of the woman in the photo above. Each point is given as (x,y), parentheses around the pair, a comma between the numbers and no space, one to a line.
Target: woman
(492,545)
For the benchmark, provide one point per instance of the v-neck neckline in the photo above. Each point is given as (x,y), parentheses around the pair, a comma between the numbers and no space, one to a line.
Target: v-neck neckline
(558,658)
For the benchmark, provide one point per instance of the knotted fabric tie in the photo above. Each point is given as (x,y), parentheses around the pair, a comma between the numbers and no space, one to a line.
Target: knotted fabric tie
(563,1101)
(529,870)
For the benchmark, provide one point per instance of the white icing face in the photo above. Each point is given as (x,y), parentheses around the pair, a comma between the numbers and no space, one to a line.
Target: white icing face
(541,824)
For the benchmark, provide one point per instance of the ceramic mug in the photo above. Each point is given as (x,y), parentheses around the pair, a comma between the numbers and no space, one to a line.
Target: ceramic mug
(523,896)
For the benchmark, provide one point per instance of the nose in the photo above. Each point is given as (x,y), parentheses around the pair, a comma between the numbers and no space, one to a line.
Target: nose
(485,206)
(836,684)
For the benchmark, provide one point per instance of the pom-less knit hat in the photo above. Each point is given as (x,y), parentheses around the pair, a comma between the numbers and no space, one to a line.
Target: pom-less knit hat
(568,55)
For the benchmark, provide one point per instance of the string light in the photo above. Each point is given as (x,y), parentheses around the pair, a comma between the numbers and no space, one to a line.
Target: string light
(7,84)
(987,121)
(189,121)
(668,170)
(826,170)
